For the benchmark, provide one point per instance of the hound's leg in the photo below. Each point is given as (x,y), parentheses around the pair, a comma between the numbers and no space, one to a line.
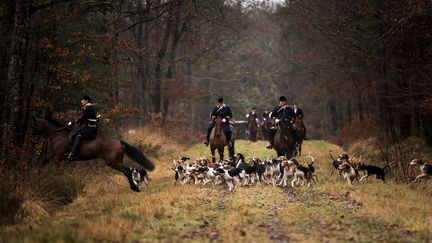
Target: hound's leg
(294,182)
(419,177)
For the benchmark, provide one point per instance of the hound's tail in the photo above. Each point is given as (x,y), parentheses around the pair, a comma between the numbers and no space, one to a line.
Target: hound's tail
(137,156)
(331,156)
(388,165)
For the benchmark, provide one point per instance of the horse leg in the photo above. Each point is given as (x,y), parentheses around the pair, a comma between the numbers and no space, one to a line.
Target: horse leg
(212,149)
(231,151)
(300,148)
(221,153)
(128,173)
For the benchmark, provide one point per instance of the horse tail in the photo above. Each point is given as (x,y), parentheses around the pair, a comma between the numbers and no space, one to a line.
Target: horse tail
(137,156)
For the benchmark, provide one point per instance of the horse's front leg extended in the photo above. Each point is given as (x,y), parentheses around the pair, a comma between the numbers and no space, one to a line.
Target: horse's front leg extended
(128,173)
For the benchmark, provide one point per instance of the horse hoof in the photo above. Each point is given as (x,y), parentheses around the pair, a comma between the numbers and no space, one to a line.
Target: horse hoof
(136,188)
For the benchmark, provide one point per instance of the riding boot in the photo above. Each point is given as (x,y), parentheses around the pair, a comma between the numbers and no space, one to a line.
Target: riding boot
(206,142)
(228,138)
(272,133)
(75,145)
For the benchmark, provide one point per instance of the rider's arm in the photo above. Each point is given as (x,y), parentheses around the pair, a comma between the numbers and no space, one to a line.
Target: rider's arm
(213,114)
(229,113)
(83,116)
(273,114)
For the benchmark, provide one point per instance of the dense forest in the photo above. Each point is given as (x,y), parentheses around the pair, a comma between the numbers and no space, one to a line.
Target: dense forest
(357,68)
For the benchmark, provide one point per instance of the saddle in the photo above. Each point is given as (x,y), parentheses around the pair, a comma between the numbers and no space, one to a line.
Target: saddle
(73,132)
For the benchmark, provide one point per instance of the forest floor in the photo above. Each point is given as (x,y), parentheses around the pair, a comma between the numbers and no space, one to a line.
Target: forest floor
(330,211)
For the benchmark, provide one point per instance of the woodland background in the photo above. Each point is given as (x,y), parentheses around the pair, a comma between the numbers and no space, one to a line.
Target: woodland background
(357,68)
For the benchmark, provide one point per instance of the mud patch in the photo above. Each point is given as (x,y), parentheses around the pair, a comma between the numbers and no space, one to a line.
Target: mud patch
(275,232)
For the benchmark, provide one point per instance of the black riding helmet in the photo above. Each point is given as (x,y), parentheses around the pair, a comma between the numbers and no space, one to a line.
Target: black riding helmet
(86,97)
(282,98)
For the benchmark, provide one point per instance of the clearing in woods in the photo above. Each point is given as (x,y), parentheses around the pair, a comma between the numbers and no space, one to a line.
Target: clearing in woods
(329,211)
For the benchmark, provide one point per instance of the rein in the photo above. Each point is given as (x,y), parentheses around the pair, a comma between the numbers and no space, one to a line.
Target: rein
(59,129)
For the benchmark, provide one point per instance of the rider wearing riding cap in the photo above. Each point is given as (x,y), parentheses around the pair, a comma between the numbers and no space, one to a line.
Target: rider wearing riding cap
(88,122)
(225,113)
(282,111)
(252,114)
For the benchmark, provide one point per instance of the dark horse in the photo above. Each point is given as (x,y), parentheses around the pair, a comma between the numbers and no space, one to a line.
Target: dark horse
(299,136)
(252,129)
(218,140)
(109,149)
(283,141)
(265,125)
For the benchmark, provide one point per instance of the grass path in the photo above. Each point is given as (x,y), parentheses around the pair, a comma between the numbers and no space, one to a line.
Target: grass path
(331,211)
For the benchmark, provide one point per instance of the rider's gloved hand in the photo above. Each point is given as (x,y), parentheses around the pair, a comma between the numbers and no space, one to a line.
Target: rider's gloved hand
(277,120)
(224,120)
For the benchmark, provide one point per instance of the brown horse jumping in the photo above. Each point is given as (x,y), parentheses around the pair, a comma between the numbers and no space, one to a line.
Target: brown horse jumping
(299,133)
(109,149)
(218,140)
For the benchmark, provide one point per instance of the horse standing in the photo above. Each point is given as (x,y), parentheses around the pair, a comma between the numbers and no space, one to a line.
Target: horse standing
(265,126)
(299,135)
(283,141)
(110,150)
(218,140)
(252,128)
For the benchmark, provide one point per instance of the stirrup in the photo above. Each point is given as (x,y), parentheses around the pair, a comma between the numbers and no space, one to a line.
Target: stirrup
(206,143)
(69,156)
(269,146)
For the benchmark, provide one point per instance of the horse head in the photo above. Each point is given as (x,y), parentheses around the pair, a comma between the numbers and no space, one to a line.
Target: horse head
(218,125)
(48,124)
(284,126)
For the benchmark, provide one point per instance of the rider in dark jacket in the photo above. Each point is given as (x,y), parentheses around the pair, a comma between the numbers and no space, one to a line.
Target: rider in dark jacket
(88,122)
(225,113)
(282,111)
(252,115)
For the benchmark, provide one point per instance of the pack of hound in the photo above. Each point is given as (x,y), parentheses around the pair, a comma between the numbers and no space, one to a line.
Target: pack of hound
(350,169)
(245,172)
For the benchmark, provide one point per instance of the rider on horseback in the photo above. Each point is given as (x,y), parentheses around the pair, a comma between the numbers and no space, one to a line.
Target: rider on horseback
(282,111)
(88,120)
(299,113)
(252,115)
(225,113)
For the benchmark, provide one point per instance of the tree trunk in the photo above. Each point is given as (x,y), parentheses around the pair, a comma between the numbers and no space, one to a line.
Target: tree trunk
(15,80)
(155,89)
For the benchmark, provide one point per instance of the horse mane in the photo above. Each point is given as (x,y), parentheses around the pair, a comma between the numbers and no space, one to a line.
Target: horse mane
(56,122)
